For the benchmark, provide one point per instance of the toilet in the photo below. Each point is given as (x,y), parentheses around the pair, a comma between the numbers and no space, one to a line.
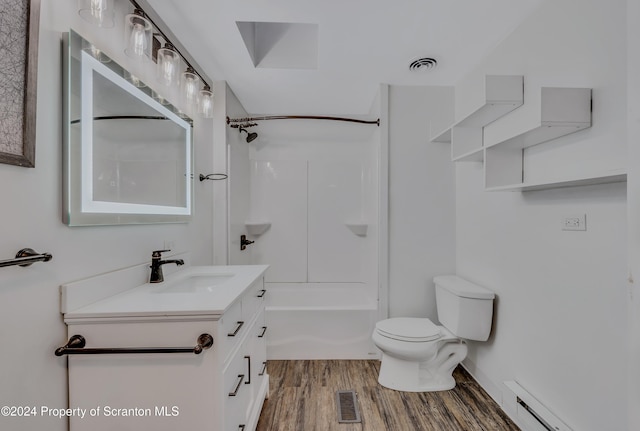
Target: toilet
(420,356)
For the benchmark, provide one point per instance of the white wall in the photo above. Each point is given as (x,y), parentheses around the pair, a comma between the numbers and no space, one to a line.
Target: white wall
(421,201)
(31,326)
(230,196)
(238,182)
(633,214)
(560,327)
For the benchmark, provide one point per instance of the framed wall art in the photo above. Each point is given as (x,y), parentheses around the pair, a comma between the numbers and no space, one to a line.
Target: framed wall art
(19,21)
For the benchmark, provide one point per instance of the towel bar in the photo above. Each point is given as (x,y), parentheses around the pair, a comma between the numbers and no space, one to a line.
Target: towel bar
(75,346)
(26,257)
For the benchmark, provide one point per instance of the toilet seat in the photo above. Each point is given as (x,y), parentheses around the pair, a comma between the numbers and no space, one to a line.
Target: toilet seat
(412,329)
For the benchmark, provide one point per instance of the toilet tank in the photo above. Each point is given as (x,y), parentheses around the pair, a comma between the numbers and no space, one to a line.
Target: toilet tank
(464,308)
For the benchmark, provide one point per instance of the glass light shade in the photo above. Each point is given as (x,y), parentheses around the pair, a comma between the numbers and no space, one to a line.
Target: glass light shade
(205,102)
(189,86)
(168,64)
(97,12)
(137,35)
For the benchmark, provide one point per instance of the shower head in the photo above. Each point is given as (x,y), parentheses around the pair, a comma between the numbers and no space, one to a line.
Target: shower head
(250,135)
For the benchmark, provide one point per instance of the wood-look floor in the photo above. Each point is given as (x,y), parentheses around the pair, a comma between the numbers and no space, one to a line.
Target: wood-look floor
(302,397)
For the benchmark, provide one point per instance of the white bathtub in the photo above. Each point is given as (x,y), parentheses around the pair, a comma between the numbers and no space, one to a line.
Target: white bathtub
(320,321)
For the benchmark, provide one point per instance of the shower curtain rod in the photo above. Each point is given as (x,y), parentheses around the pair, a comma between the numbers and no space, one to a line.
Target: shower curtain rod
(124,117)
(301,117)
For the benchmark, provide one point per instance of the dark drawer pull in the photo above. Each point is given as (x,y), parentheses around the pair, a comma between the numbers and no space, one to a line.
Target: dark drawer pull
(235,331)
(235,391)
(248,358)
(241,427)
(261,294)
(264,369)
(264,330)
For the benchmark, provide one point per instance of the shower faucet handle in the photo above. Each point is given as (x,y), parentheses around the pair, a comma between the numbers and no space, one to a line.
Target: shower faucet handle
(244,242)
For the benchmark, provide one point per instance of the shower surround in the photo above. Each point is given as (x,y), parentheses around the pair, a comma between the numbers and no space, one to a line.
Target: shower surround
(317,184)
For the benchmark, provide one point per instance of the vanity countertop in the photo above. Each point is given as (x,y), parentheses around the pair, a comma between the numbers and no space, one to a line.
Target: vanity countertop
(196,290)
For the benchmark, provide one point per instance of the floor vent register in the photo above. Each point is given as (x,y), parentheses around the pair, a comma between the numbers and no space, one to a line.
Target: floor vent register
(348,411)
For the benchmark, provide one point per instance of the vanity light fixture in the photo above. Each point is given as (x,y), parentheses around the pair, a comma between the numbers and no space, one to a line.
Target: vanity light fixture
(97,12)
(137,35)
(205,102)
(140,40)
(189,86)
(168,64)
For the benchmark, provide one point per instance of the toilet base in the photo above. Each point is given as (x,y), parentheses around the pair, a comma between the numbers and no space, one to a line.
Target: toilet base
(429,376)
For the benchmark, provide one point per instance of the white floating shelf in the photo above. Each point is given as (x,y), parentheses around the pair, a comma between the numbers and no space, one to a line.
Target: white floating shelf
(464,141)
(257,228)
(563,111)
(359,228)
(444,136)
(471,156)
(503,94)
(611,177)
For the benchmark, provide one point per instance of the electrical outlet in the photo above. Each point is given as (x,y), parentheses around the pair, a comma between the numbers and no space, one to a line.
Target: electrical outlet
(574,222)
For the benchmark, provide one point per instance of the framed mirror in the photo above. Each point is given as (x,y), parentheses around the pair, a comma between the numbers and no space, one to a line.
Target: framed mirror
(127,155)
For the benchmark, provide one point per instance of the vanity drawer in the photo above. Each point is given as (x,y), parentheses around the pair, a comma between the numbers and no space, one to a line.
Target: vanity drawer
(259,348)
(253,300)
(236,391)
(233,327)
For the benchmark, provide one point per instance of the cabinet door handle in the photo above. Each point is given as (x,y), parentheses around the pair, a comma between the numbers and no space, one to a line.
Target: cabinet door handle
(235,391)
(264,330)
(264,368)
(235,331)
(241,427)
(248,358)
(261,294)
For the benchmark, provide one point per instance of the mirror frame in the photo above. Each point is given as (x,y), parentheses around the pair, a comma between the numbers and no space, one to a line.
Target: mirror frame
(79,208)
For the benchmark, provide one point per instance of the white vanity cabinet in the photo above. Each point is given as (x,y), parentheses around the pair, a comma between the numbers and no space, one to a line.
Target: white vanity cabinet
(221,389)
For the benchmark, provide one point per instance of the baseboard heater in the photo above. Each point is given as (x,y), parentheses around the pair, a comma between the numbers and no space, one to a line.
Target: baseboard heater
(531,408)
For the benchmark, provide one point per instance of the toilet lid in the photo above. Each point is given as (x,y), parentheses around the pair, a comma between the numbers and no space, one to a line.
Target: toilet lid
(408,329)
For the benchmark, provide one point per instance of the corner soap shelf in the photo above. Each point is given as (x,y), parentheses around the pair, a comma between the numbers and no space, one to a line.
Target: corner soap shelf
(358,228)
(503,94)
(256,228)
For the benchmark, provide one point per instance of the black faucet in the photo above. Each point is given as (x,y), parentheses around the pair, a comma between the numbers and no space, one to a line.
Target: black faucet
(156,266)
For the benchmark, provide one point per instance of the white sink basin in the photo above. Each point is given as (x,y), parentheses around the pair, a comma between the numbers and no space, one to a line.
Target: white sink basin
(191,291)
(196,283)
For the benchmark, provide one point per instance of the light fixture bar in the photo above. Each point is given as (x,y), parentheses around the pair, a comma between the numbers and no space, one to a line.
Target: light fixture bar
(136,4)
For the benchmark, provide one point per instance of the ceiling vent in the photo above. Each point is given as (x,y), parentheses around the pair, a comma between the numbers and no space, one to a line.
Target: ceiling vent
(423,64)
